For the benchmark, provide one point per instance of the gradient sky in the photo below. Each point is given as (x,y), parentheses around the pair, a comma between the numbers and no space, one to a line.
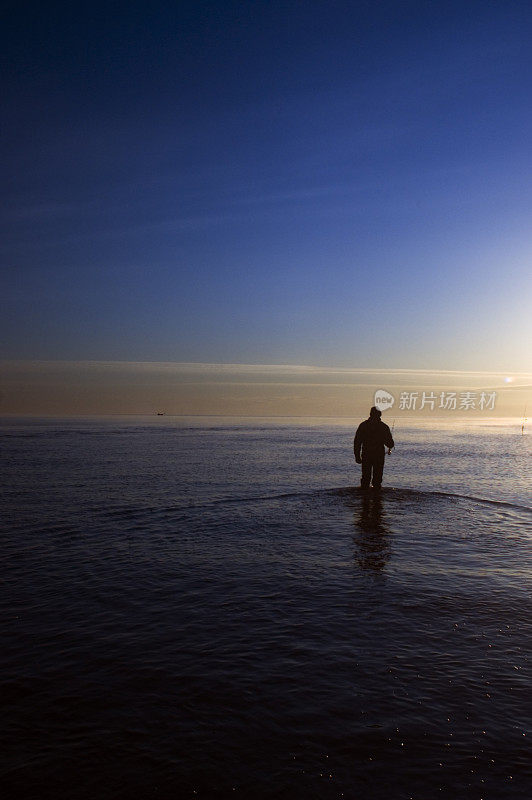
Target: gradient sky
(323,183)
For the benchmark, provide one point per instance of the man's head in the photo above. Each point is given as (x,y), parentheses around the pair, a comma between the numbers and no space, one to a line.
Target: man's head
(374,413)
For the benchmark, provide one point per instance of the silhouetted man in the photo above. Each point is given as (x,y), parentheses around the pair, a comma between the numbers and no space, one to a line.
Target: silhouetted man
(372,437)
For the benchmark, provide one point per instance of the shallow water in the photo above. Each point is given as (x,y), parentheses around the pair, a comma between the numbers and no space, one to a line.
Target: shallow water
(205,608)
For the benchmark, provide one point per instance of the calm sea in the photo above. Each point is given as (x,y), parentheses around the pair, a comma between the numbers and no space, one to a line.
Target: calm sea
(200,607)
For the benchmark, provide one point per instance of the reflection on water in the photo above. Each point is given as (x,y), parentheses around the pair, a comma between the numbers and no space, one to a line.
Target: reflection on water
(226,625)
(372,536)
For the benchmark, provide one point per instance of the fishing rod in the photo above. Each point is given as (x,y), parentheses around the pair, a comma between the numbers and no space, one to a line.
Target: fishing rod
(524,423)
(390,449)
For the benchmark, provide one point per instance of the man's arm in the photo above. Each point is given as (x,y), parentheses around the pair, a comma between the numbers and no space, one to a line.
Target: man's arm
(357,444)
(388,441)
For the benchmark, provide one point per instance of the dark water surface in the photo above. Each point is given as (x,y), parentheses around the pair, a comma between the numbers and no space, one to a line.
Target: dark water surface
(208,609)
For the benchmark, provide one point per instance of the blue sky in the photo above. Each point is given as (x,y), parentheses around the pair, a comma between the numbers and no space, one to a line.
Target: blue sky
(343,184)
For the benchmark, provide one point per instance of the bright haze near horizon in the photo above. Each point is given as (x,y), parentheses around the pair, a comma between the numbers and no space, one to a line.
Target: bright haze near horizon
(338,185)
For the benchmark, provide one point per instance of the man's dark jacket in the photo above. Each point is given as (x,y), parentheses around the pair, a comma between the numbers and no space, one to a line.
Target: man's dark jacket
(372,437)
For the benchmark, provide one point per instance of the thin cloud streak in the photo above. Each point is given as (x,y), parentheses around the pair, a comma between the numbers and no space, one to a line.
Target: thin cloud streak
(101,387)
